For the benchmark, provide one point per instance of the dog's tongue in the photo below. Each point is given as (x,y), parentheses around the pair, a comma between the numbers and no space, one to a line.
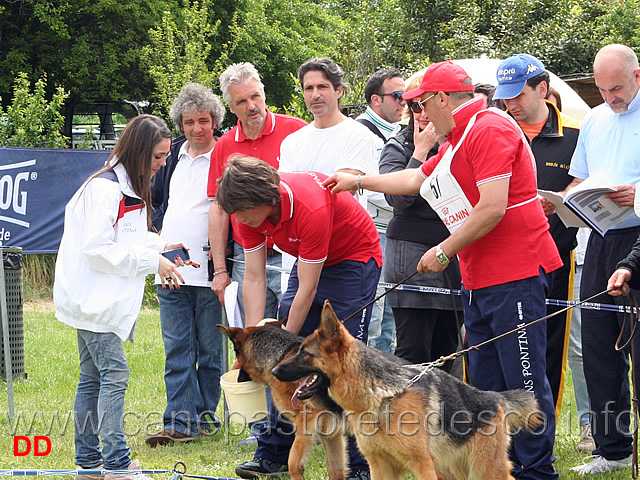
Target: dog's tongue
(303,387)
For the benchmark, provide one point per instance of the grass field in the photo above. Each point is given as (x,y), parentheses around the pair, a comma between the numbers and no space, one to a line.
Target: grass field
(44,402)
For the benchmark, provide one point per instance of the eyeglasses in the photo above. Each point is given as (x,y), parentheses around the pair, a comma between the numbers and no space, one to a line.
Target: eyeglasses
(418,107)
(396,94)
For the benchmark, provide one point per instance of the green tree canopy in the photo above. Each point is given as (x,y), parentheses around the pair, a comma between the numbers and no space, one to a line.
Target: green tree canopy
(177,53)
(92,49)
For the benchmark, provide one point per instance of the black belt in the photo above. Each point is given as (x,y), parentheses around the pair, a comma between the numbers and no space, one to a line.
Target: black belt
(271,252)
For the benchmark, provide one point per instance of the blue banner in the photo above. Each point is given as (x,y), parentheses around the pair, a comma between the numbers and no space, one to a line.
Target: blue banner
(35,186)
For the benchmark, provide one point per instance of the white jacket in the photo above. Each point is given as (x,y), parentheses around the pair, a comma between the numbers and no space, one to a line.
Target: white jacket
(103,260)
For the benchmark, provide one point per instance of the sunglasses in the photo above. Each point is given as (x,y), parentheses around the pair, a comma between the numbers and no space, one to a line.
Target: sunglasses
(418,107)
(396,94)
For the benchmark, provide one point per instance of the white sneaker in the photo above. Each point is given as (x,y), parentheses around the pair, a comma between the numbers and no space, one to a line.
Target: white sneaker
(600,464)
(135,465)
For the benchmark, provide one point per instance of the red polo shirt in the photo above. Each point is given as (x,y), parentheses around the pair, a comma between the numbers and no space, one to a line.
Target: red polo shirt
(317,226)
(266,147)
(521,243)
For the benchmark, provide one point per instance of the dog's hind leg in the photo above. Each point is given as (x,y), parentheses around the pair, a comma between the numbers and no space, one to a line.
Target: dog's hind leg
(490,459)
(336,454)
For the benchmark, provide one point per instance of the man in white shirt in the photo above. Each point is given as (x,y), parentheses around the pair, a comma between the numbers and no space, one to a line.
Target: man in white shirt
(608,143)
(188,315)
(332,142)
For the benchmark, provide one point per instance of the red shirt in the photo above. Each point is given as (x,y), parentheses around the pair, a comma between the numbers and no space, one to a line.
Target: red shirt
(266,147)
(521,243)
(317,226)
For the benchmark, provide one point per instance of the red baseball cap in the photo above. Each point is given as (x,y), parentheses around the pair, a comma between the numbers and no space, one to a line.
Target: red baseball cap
(441,77)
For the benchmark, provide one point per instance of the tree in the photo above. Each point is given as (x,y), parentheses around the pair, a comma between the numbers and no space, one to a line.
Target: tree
(620,23)
(31,120)
(277,36)
(428,19)
(376,35)
(177,53)
(558,33)
(91,48)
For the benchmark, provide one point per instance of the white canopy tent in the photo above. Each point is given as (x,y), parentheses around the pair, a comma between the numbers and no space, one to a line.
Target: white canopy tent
(483,70)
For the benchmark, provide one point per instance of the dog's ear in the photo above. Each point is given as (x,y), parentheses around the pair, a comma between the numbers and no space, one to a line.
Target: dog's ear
(224,330)
(330,325)
(233,333)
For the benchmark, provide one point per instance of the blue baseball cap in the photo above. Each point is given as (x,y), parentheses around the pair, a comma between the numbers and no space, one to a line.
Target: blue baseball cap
(513,74)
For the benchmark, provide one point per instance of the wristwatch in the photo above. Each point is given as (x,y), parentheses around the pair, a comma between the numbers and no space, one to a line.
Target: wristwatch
(441,256)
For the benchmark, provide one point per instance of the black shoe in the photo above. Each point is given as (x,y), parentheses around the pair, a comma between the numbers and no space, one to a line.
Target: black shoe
(260,467)
(359,475)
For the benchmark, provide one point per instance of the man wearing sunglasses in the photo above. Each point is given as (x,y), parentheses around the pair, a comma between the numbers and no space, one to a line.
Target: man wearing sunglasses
(385,105)
(482,184)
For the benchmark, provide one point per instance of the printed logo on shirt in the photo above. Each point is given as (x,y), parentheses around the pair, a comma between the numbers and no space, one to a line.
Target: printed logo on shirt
(454,218)
(318,181)
(128,227)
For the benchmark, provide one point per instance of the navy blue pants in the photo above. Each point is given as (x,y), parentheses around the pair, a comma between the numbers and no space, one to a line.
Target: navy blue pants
(605,369)
(516,361)
(349,286)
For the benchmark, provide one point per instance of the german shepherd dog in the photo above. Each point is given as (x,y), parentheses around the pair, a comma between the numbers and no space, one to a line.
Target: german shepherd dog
(258,351)
(431,426)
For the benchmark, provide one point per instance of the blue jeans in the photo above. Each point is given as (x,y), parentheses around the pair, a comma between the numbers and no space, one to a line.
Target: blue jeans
(193,351)
(382,327)
(274,289)
(99,403)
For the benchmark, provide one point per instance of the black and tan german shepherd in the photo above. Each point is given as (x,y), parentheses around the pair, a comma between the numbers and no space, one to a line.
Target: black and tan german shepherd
(431,425)
(258,351)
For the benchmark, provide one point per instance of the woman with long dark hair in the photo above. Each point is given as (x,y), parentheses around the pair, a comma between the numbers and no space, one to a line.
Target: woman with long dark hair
(105,254)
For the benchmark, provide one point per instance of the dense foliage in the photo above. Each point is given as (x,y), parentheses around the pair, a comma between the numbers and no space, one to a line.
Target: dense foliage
(31,120)
(146,49)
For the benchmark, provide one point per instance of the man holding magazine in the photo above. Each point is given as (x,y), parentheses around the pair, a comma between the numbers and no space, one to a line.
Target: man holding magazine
(608,143)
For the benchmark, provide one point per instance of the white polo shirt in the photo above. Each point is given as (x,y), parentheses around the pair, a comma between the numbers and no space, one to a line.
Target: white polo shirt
(187,215)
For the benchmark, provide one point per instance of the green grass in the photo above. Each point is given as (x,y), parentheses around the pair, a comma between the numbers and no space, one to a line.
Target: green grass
(44,402)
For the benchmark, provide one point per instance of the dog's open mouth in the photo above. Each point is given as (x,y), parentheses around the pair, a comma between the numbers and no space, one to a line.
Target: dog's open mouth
(305,390)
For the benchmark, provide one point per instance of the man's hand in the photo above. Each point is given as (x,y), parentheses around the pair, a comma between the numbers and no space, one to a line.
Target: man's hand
(620,282)
(341,182)
(624,196)
(219,283)
(547,207)
(429,263)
